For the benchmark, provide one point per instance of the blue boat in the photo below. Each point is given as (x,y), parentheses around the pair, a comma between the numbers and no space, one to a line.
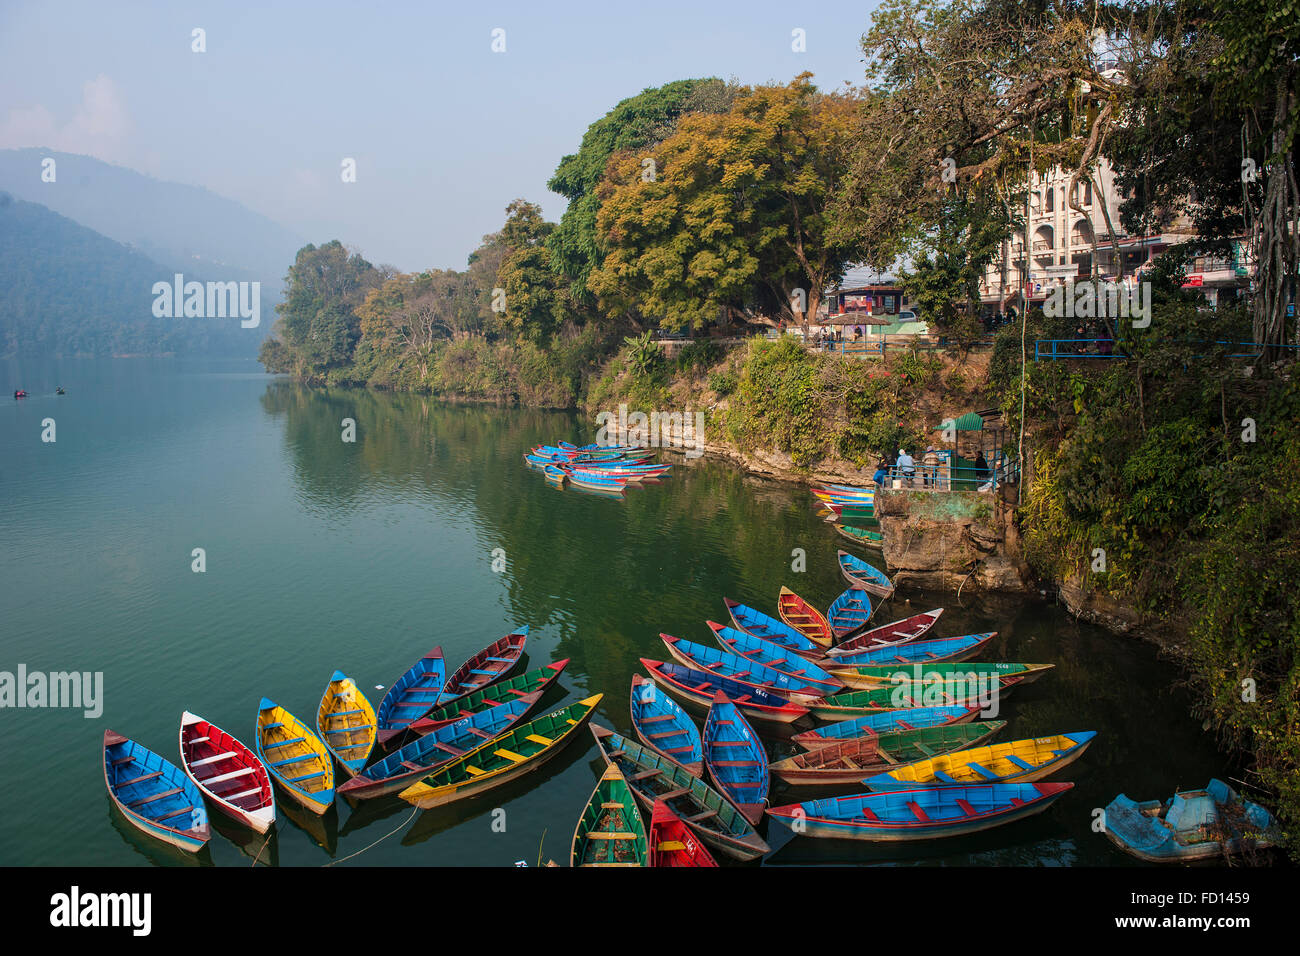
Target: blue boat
(1193,825)
(664,727)
(862,575)
(555,475)
(850,612)
(154,794)
(884,722)
(737,668)
(900,815)
(412,696)
(425,754)
(736,758)
(592,479)
(758,703)
(757,623)
(776,657)
(946,649)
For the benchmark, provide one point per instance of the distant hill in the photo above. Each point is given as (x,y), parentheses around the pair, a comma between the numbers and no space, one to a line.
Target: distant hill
(66,290)
(185,227)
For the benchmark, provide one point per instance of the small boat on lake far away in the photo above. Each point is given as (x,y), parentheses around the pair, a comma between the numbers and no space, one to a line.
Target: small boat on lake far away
(537,680)
(760,704)
(610,831)
(804,618)
(489,665)
(555,476)
(860,574)
(771,655)
(895,632)
(664,727)
(1192,825)
(653,778)
(346,722)
(295,757)
(884,722)
(412,696)
(227,772)
(671,841)
(924,814)
(755,622)
(847,761)
(504,758)
(1017,761)
(863,537)
(943,650)
(736,758)
(867,676)
(849,613)
(740,669)
(154,795)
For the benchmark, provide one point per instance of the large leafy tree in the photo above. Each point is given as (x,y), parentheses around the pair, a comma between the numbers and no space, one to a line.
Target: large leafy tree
(534,304)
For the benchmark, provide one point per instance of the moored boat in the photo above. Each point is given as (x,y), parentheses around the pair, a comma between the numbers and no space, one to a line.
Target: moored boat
(671,842)
(555,476)
(1192,825)
(942,650)
(759,704)
(740,669)
(924,814)
(885,722)
(755,622)
(849,613)
(846,761)
(411,696)
(860,574)
(755,649)
(735,758)
(653,777)
(486,667)
(895,632)
(863,537)
(227,772)
(538,680)
(981,693)
(804,618)
(295,757)
(610,831)
(867,676)
(346,723)
(154,795)
(504,758)
(664,727)
(1016,761)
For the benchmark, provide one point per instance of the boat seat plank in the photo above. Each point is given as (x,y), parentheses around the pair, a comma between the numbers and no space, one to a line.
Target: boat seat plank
(197,740)
(539,739)
(243,772)
(940,775)
(121,760)
(984,772)
(448,748)
(966,808)
(272,726)
(701,816)
(288,760)
(675,732)
(502,660)
(306,776)
(736,763)
(917,811)
(645,774)
(348,730)
(413,766)
(157,796)
(657,718)
(479,733)
(674,794)
(284,743)
(242,794)
(207,760)
(344,713)
(679,750)
(1022,764)
(509,755)
(141,778)
(175,813)
(474,771)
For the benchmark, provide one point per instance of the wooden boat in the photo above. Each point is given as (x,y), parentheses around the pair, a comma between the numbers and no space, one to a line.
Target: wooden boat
(833,491)
(227,773)
(154,795)
(919,814)
(884,722)
(862,537)
(771,655)
(758,703)
(654,778)
(1193,825)
(867,676)
(862,575)
(945,649)
(735,758)
(346,723)
(671,841)
(610,831)
(489,665)
(849,613)
(411,696)
(851,513)
(804,618)
(555,476)
(502,759)
(736,668)
(295,757)
(664,727)
(895,632)
(1017,761)
(855,703)
(846,761)
(593,479)
(537,680)
(425,754)
(754,622)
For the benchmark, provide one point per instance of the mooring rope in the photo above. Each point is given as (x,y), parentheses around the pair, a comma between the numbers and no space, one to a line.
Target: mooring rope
(379,841)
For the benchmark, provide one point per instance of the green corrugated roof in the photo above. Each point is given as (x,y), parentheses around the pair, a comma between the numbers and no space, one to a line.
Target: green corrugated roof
(970,422)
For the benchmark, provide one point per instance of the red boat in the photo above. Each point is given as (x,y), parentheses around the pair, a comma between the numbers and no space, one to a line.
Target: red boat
(899,632)
(227,772)
(672,843)
(486,667)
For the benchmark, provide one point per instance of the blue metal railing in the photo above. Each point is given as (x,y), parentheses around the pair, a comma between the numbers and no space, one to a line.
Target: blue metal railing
(1053,349)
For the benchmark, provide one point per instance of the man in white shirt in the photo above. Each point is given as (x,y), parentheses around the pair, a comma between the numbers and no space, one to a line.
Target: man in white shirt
(906,466)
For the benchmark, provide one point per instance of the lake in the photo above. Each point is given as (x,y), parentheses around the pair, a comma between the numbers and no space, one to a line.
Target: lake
(322,554)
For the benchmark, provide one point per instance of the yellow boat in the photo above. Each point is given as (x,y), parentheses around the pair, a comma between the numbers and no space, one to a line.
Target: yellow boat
(875,676)
(346,722)
(1018,761)
(295,757)
(503,758)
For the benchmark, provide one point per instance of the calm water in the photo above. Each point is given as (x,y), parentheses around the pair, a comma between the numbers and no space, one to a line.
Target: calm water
(324,555)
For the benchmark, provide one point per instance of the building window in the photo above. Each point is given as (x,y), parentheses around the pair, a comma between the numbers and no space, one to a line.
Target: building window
(1051,200)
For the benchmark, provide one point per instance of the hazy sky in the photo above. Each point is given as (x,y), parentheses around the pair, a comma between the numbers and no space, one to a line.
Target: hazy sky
(444,131)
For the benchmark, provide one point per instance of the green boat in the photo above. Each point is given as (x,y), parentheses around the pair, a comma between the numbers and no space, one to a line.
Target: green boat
(610,831)
(858,515)
(845,761)
(503,758)
(863,537)
(712,817)
(871,676)
(502,692)
(981,692)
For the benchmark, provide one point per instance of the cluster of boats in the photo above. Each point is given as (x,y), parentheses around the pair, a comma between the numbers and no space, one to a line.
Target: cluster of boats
(595,467)
(852,511)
